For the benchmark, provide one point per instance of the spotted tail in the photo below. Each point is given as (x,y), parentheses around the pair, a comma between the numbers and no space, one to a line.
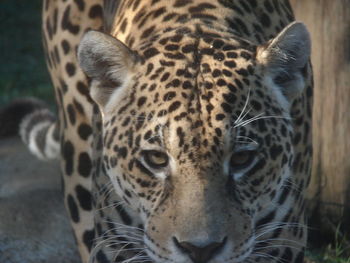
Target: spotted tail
(36,125)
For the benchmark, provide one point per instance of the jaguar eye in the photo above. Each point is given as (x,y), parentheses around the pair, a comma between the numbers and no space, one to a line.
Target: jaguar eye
(155,159)
(241,160)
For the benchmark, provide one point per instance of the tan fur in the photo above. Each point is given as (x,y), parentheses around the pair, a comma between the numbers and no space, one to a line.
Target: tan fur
(184,79)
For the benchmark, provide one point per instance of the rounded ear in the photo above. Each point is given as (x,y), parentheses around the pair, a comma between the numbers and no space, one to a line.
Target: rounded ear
(107,61)
(286,58)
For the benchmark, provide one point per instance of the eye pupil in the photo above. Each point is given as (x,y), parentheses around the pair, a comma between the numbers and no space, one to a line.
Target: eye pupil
(241,160)
(156,159)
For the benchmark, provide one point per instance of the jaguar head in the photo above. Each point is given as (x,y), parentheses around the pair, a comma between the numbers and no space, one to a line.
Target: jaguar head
(197,136)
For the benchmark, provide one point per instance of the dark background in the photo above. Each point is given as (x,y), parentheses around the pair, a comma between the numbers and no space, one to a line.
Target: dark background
(22,65)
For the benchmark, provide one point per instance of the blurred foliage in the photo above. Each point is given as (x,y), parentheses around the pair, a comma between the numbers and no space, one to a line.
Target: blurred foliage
(22,65)
(338,251)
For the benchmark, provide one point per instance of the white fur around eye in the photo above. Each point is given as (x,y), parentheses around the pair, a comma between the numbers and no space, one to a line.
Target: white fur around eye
(238,175)
(161,175)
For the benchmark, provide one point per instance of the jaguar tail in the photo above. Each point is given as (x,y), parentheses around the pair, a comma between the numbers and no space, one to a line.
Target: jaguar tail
(36,125)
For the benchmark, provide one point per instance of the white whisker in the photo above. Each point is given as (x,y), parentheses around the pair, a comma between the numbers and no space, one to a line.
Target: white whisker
(259,117)
(244,107)
(249,140)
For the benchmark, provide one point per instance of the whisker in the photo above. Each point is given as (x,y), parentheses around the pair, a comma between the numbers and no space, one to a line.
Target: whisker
(264,255)
(245,114)
(119,251)
(104,190)
(244,107)
(113,205)
(124,226)
(243,123)
(137,256)
(280,239)
(250,140)
(278,246)
(259,117)
(272,229)
(280,224)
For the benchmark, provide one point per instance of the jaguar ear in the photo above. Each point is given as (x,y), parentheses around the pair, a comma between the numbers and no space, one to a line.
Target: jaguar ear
(108,62)
(286,57)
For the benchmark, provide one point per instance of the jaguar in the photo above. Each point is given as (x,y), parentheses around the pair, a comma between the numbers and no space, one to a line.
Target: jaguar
(183,128)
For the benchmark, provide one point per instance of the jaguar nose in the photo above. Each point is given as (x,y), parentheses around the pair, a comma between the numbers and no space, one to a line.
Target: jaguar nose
(200,254)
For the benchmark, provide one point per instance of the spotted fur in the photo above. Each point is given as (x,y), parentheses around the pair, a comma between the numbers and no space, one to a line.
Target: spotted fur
(198,84)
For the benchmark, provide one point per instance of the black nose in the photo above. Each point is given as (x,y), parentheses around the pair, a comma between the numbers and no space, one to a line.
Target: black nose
(200,254)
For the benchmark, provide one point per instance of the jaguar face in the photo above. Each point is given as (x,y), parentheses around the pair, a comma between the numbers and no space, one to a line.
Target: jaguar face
(197,142)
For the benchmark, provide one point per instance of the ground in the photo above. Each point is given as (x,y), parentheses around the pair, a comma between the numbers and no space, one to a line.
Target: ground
(34,226)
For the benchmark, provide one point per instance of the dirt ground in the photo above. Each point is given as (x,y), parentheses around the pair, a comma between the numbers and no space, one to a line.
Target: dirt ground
(34,226)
